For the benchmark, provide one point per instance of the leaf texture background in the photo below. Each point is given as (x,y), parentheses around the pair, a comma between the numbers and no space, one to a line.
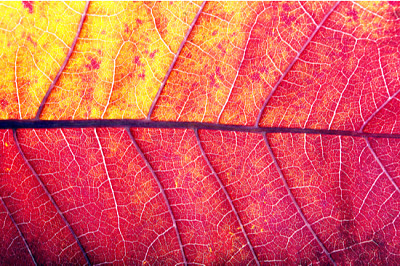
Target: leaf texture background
(176,133)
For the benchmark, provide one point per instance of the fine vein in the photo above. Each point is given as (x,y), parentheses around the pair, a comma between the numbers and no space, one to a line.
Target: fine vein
(294,201)
(227,196)
(71,50)
(160,186)
(50,197)
(381,164)
(293,62)
(19,231)
(171,67)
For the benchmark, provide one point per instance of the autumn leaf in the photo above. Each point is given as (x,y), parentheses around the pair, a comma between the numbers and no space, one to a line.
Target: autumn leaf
(169,133)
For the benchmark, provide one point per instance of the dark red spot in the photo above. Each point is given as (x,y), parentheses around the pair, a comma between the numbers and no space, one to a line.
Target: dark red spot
(187,55)
(87,78)
(321,76)
(195,86)
(29,39)
(138,21)
(137,60)
(3,103)
(309,81)
(396,13)
(28,5)
(353,13)
(142,76)
(153,54)
(126,28)
(288,19)
(214,33)
(93,64)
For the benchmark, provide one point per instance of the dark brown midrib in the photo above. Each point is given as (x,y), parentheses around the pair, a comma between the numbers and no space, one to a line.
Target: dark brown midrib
(123,123)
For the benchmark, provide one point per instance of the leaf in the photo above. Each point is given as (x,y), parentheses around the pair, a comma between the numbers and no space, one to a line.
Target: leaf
(199,133)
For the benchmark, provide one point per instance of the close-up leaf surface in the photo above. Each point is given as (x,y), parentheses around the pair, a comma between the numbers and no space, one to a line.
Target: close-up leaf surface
(200,133)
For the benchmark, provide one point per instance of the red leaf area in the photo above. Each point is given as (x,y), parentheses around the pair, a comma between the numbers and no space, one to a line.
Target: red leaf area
(306,173)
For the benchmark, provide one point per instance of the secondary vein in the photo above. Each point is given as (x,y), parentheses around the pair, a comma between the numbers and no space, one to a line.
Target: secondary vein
(19,231)
(50,197)
(294,201)
(53,84)
(293,62)
(227,196)
(171,67)
(160,186)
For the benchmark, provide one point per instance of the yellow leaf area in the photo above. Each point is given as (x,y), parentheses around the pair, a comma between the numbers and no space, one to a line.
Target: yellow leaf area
(200,82)
(232,59)
(121,57)
(35,38)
